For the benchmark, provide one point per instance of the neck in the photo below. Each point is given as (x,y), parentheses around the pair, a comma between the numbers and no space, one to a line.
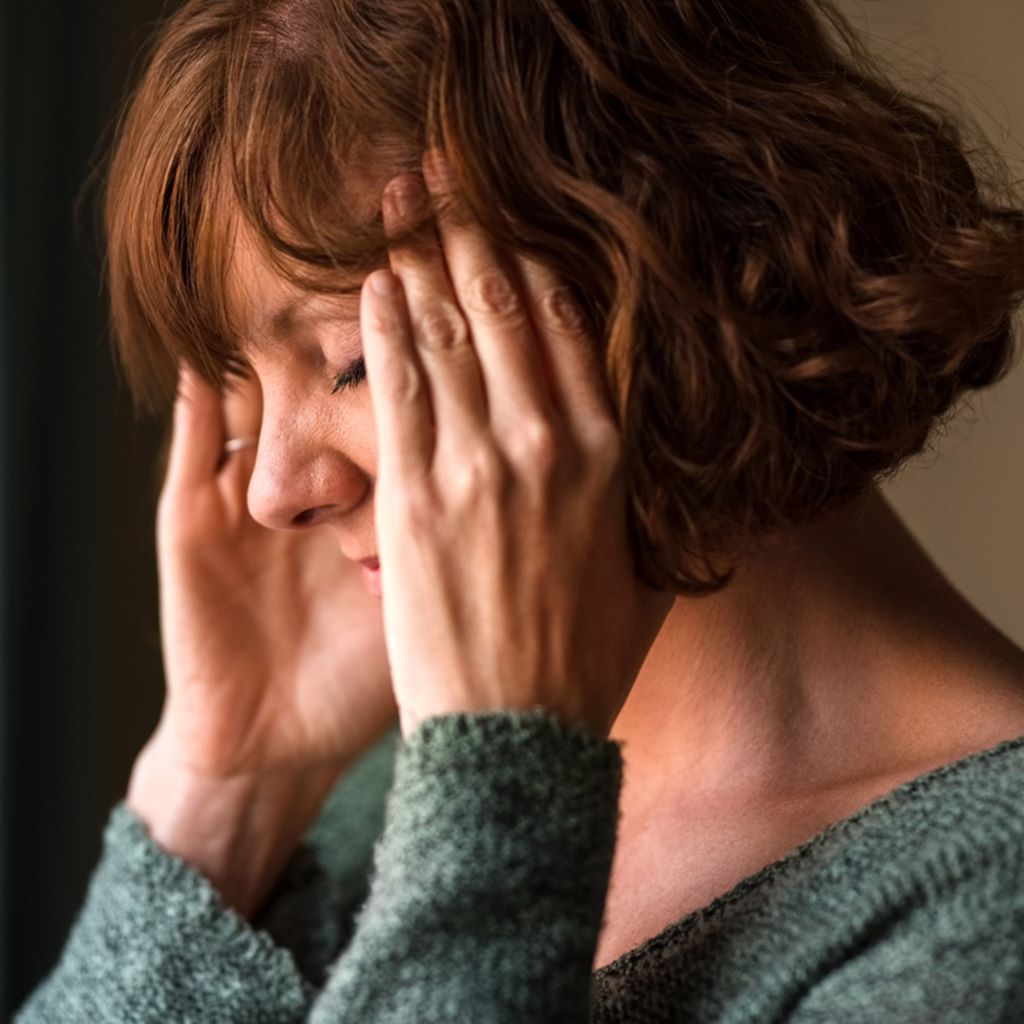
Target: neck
(835,652)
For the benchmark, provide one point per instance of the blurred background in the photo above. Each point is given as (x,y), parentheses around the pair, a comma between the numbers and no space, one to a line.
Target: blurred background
(80,678)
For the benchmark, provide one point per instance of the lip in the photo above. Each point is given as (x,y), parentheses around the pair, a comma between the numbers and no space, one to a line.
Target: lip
(371,576)
(372,563)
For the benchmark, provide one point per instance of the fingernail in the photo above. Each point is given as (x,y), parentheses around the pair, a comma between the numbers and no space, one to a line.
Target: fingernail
(384,284)
(437,170)
(186,376)
(406,196)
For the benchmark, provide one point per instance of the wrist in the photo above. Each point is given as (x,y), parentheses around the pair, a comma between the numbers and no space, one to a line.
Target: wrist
(238,831)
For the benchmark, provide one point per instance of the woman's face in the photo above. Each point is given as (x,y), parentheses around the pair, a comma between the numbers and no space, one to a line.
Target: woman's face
(317,454)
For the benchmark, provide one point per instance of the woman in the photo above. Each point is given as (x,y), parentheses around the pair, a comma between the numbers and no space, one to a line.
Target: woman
(670,288)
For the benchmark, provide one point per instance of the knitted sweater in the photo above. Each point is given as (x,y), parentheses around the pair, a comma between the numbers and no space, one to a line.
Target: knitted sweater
(461,877)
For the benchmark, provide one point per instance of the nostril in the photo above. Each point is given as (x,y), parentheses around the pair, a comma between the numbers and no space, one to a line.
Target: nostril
(312,516)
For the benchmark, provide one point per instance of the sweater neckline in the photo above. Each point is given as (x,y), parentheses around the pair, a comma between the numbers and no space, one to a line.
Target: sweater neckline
(926,782)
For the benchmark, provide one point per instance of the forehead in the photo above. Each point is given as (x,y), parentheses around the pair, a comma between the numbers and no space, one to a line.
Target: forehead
(265,305)
(265,294)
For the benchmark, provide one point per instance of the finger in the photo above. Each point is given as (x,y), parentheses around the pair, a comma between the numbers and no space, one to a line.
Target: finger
(499,321)
(578,379)
(242,414)
(440,331)
(398,387)
(242,405)
(197,433)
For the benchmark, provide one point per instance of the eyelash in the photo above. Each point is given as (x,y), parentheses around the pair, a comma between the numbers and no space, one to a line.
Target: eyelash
(354,375)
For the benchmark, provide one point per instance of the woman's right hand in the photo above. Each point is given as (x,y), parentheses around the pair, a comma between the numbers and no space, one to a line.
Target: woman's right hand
(275,665)
(274,652)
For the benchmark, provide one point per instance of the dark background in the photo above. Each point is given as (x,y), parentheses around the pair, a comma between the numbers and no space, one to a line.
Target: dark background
(80,677)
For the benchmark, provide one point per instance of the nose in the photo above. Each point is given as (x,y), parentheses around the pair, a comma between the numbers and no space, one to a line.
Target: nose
(300,481)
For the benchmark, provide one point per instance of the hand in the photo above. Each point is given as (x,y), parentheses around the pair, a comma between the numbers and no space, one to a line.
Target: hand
(273,650)
(500,501)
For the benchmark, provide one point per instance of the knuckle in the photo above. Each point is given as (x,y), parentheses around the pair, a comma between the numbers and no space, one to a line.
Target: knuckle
(479,474)
(492,294)
(442,327)
(535,445)
(561,310)
(605,447)
(605,437)
(418,506)
(406,383)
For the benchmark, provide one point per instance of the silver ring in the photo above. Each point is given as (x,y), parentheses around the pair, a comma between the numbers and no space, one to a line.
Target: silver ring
(236,444)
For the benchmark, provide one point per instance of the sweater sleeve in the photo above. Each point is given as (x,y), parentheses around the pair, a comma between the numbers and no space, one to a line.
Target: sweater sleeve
(954,953)
(490,877)
(486,898)
(153,942)
(310,911)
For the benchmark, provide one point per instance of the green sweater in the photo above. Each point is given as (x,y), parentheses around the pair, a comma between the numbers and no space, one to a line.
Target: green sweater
(461,877)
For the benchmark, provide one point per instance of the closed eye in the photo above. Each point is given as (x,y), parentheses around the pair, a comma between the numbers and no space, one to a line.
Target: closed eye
(354,375)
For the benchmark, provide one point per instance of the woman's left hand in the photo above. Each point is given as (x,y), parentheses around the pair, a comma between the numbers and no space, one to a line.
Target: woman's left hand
(500,501)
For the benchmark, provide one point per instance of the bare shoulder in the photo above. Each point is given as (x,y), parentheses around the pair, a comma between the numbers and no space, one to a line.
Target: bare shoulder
(977,701)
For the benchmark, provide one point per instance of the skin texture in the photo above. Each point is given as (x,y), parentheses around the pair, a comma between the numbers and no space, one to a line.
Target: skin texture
(261,627)
(839,664)
(501,512)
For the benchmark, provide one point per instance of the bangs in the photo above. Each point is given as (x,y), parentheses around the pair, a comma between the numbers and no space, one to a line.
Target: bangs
(240,133)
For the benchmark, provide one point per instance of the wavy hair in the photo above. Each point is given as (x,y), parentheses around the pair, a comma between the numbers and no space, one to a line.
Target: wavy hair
(793,267)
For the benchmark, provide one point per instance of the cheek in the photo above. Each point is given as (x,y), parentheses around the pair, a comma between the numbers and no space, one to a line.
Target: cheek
(351,428)
(303,416)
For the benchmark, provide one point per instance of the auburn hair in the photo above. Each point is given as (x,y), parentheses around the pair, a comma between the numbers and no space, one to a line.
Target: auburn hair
(793,267)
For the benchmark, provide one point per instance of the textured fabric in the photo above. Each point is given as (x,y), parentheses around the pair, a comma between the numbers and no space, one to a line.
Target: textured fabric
(909,911)
(481,900)
(154,943)
(310,910)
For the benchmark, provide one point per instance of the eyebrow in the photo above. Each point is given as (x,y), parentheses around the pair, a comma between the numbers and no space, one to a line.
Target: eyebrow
(282,322)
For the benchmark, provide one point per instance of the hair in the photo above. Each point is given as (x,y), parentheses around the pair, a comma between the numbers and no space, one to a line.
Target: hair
(793,268)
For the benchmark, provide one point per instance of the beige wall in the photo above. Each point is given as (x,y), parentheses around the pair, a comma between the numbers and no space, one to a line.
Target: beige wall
(965,499)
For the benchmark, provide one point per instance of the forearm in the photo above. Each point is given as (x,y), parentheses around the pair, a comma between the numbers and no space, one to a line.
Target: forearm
(238,832)
(489,879)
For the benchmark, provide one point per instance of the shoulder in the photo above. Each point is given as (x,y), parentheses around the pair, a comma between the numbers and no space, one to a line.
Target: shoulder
(937,928)
(955,954)
(968,808)
(909,910)
(964,819)
(931,879)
